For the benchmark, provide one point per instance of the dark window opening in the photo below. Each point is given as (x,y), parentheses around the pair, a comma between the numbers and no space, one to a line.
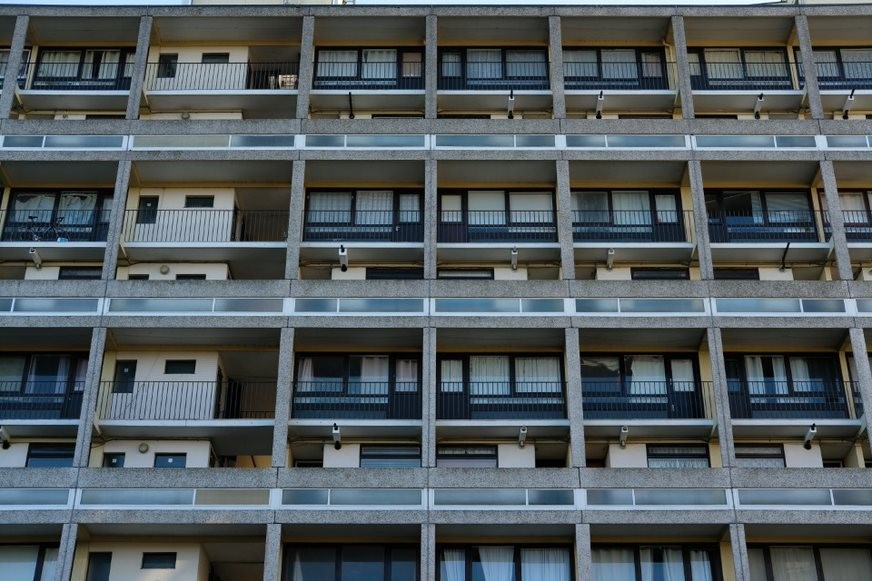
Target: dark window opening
(50,455)
(158,561)
(170,460)
(180,366)
(167,65)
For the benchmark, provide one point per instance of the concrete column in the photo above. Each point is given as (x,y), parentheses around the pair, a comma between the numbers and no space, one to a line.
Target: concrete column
(90,396)
(117,218)
(721,399)
(682,66)
(137,81)
(66,552)
(574,409)
(295,219)
(740,552)
(564,221)
(284,390)
(583,555)
(837,221)
(428,398)
(812,89)
(13,65)
(431,218)
(864,374)
(307,67)
(272,558)
(428,552)
(700,221)
(431,68)
(555,50)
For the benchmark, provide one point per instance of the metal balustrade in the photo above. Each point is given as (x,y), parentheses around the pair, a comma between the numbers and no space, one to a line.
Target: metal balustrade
(380,76)
(634,400)
(630,225)
(494,76)
(55,225)
(205,225)
(497,226)
(858,225)
(66,76)
(841,75)
(244,76)
(356,400)
(629,76)
(40,400)
(501,400)
(186,400)
(363,226)
(739,76)
(768,226)
(816,399)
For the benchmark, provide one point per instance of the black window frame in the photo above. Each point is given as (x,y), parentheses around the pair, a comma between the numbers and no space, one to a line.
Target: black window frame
(491,454)
(513,381)
(509,230)
(749,82)
(26,399)
(159,560)
(736,362)
(358,81)
(691,452)
(815,547)
(393,358)
(659,273)
(50,451)
(119,83)
(712,549)
(505,81)
(108,458)
(625,376)
(470,556)
(656,230)
(51,224)
(167,65)
(368,452)
(80,273)
(388,549)
(598,81)
(724,227)
(838,81)
(397,230)
(180,366)
(169,460)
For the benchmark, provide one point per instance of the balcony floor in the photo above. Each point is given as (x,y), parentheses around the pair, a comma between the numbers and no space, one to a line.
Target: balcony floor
(621,100)
(41,428)
(363,252)
(834,100)
(712,101)
(796,428)
(54,251)
(227,436)
(497,252)
(367,100)
(769,251)
(634,251)
(43,100)
(860,251)
(653,428)
(264,260)
(493,100)
(280,103)
(352,428)
(501,428)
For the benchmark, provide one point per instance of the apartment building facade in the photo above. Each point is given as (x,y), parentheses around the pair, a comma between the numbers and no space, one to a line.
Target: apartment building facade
(458,293)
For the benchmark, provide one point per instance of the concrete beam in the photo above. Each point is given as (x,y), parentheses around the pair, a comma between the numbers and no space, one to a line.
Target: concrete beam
(117,217)
(13,65)
(685,93)
(90,396)
(812,88)
(837,221)
(137,80)
(555,50)
(307,67)
(284,393)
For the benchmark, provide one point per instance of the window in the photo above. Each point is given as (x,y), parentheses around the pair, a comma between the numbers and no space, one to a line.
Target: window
(645,562)
(412,64)
(747,214)
(466,273)
(62,68)
(99,566)
(388,273)
(504,562)
(337,63)
(501,375)
(466,457)
(158,561)
(809,562)
(737,66)
(759,455)
(190,277)
(180,366)
(80,273)
(677,456)
(638,374)
(350,563)
(113,460)
(659,274)
(199,201)
(216,58)
(167,65)
(137,277)
(358,374)
(762,375)
(737,274)
(390,456)
(170,461)
(28,562)
(613,67)
(147,210)
(58,215)
(363,214)
(43,375)
(624,215)
(50,455)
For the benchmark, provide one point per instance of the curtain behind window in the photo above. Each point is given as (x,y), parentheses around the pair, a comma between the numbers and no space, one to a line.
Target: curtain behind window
(591,206)
(619,64)
(374,208)
(330,207)
(857,63)
(793,564)
(580,63)
(669,568)
(337,63)
(373,376)
(77,207)
(379,64)
(497,563)
(611,564)
(537,374)
(59,63)
(407,375)
(723,64)
(526,64)
(548,564)
(765,63)
(700,566)
(453,565)
(631,208)
(846,564)
(489,375)
(484,63)
(648,374)
(39,205)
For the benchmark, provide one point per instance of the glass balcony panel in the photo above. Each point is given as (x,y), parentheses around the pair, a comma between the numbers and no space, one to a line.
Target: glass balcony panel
(137,496)
(480,497)
(305,496)
(785,497)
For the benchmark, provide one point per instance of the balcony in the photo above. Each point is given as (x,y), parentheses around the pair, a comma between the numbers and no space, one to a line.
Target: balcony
(357,400)
(364,226)
(258,89)
(639,400)
(39,401)
(58,234)
(635,235)
(484,226)
(595,83)
(843,73)
(805,400)
(770,236)
(501,401)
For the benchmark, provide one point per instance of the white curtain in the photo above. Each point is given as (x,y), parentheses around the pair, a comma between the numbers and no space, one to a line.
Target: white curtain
(757,564)
(667,209)
(648,374)
(765,64)
(497,563)
(49,565)
(787,207)
(631,207)
(793,564)
(857,63)
(410,208)
(826,62)
(484,64)
(682,375)
(846,564)
(451,376)
(612,564)
(549,564)
(39,205)
(486,208)
(619,64)
(374,207)
(108,67)
(453,565)
(59,63)
(526,63)
(799,372)
(379,63)
(652,66)
(451,62)
(537,374)
(723,64)
(853,207)
(580,63)
(700,566)
(758,383)
(374,375)
(337,63)
(531,207)
(18,561)
(671,568)
(77,208)
(452,208)
(330,207)
(489,375)
(407,375)
(48,374)
(694,68)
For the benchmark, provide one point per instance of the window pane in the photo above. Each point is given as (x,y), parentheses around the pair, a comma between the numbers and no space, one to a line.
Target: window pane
(313,564)
(337,63)
(18,561)
(379,64)
(612,564)
(404,564)
(661,563)
(330,207)
(545,563)
(486,208)
(757,564)
(451,375)
(489,375)
(494,563)
(723,64)
(601,373)
(648,374)
(537,374)
(59,63)
(619,64)
(452,208)
(591,206)
(765,63)
(857,63)
(412,64)
(784,207)
(531,207)
(580,63)
(368,374)
(484,64)
(374,207)
(451,64)
(846,564)
(826,62)
(793,564)
(11,372)
(407,376)
(363,563)
(50,455)
(652,65)
(526,64)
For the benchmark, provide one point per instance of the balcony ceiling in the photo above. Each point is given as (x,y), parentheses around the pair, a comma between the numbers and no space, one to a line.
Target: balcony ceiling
(361,31)
(751,174)
(76,30)
(854,173)
(18,532)
(121,338)
(454,340)
(641,340)
(715,32)
(476,532)
(197,532)
(812,532)
(781,340)
(609,30)
(266,30)
(495,174)
(64,174)
(310,532)
(586,174)
(204,172)
(698,532)
(56,338)
(497,31)
(7,27)
(364,174)
(840,30)
(372,340)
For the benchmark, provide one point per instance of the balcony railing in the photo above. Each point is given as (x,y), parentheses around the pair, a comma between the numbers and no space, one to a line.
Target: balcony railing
(272,76)
(186,400)
(770,226)
(494,76)
(629,76)
(500,400)
(191,225)
(742,76)
(39,403)
(630,226)
(363,226)
(55,226)
(842,75)
(636,400)
(497,226)
(381,76)
(65,76)
(858,225)
(815,399)
(357,400)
